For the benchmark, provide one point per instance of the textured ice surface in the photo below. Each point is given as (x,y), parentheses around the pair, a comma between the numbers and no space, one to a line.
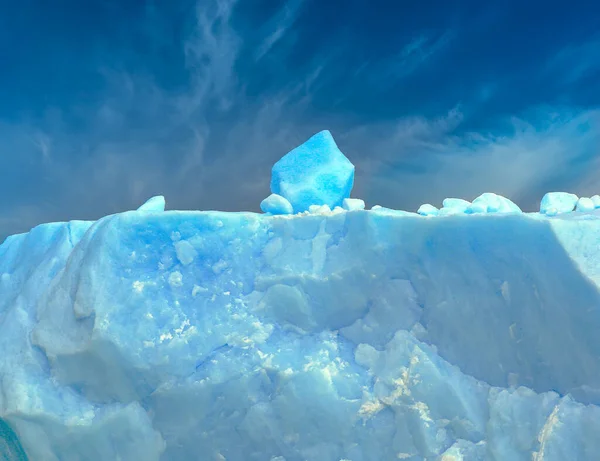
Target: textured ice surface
(326,335)
(315,173)
(378,335)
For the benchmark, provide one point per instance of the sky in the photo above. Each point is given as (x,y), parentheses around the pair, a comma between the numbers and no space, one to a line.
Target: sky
(104,104)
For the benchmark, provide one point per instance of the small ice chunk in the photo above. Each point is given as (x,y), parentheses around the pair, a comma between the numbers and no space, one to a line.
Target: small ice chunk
(352,204)
(427,210)
(596,200)
(315,173)
(493,203)
(563,202)
(319,209)
(456,203)
(276,204)
(156,203)
(585,204)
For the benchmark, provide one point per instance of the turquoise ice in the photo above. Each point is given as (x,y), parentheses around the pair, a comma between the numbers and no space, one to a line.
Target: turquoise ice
(558,202)
(276,204)
(156,203)
(315,173)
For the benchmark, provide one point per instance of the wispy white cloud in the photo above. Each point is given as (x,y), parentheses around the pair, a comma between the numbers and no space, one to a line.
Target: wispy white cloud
(283,21)
(410,58)
(424,161)
(575,62)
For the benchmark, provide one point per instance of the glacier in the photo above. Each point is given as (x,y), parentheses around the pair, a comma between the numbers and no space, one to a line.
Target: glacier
(335,333)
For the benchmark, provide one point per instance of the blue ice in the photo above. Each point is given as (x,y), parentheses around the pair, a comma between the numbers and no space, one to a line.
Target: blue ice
(554,203)
(315,173)
(428,210)
(156,203)
(276,204)
(353,204)
(324,336)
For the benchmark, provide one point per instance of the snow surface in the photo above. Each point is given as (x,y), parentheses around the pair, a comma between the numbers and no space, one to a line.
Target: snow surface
(327,335)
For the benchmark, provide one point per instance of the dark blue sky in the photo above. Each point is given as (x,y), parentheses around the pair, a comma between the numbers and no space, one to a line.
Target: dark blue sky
(105,103)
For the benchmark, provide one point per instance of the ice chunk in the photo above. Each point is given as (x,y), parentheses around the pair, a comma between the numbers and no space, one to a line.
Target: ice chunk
(561,202)
(319,209)
(585,204)
(315,173)
(427,210)
(456,203)
(156,203)
(276,205)
(489,202)
(352,204)
(596,200)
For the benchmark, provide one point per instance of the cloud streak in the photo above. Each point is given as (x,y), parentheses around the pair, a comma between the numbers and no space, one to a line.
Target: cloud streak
(425,162)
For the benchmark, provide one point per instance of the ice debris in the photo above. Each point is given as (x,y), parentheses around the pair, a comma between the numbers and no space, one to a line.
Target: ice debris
(428,210)
(154,204)
(485,203)
(457,204)
(319,209)
(276,205)
(585,204)
(493,203)
(315,173)
(353,204)
(554,203)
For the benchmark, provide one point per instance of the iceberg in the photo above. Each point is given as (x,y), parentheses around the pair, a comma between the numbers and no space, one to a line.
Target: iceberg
(326,335)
